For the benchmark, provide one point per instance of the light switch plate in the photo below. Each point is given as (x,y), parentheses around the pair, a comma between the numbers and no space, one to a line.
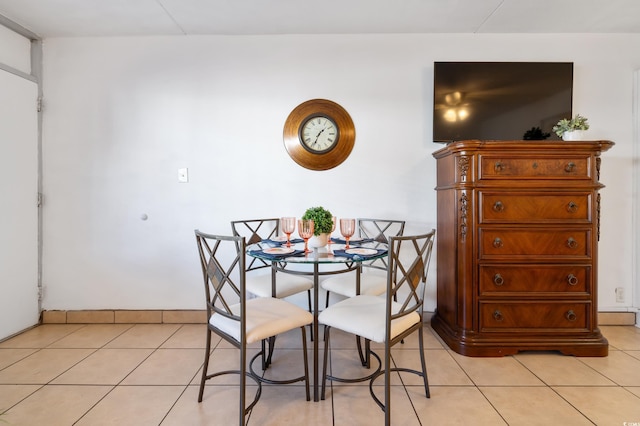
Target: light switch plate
(183,175)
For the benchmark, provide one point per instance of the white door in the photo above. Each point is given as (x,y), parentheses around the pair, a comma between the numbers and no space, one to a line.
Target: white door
(18,204)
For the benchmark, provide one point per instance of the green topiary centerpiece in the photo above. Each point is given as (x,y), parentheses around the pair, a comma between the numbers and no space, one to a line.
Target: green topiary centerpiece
(322,220)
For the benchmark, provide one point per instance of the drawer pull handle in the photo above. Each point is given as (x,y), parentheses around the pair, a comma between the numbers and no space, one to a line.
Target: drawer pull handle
(570,167)
(572,243)
(498,280)
(497,243)
(498,206)
(571,316)
(498,167)
(497,315)
(572,207)
(572,279)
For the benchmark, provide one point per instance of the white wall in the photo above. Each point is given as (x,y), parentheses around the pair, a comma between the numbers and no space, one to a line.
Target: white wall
(123,114)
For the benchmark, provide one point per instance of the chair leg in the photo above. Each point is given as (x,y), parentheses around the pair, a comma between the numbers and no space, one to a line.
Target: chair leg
(326,357)
(243,382)
(306,362)
(387,384)
(311,311)
(205,366)
(267,346)
(365,356)
(423,364)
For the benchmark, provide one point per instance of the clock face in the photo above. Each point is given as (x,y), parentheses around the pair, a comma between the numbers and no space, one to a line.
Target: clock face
(319,134)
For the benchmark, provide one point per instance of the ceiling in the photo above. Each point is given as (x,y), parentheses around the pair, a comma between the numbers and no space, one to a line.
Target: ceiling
(82,18)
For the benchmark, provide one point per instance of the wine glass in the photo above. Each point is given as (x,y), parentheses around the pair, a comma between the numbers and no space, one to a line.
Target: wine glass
(333,227)
(288,225)
(347,229)
(305,229)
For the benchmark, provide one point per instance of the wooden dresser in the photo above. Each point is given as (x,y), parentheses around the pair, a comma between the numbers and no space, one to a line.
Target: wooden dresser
(518,229)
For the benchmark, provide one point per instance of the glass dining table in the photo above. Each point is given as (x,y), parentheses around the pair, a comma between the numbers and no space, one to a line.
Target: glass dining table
(335,256)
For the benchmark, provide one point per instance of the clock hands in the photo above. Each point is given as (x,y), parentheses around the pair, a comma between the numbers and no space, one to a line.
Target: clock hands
(317,136)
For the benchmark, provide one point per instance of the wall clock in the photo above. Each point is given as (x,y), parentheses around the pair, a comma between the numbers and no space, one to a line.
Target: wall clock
(319,134)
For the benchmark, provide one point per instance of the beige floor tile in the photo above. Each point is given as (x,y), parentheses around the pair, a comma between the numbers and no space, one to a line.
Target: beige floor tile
(287,405)
(40,336)
(139,405)
(144,336)
(91,336)
(346,364)
(604,405)
(104,367)
(623,338)
(635,354)
(555,369)
(285,364)
(532,406)
(55,405)
(219,407)
(502,371)
(353,405)
(167,367)
(42,366)
(162,358)
(619,366)
(441,368)
(430,340)
(223,360)
(454,405)
(190,336)
(634,390)
(9,356)
(12,394)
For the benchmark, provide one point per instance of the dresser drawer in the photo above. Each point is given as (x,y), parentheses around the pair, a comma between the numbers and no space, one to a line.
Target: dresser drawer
(543,243)
(569,167)
(535,280)
(500,207)
(534,316)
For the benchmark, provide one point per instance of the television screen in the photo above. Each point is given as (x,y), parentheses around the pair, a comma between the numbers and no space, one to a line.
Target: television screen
(500,100)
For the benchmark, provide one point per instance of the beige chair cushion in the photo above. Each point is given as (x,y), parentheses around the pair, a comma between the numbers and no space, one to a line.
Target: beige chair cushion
(345,284)
(286,284)
(266,317)
(365,316)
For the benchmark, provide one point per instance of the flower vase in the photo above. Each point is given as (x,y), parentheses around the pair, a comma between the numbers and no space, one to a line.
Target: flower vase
(574,135)
(318,241)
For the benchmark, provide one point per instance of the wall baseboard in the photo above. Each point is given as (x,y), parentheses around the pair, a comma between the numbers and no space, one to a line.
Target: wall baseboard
(200,317)
(616,318)
(124,317)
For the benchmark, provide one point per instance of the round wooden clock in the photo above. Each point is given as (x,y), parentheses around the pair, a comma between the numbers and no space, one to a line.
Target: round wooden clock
(319,134)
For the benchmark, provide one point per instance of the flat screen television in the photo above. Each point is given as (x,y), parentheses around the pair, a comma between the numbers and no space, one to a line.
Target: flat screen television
(500,100)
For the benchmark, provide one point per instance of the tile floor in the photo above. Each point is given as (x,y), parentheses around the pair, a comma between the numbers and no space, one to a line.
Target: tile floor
(147,374)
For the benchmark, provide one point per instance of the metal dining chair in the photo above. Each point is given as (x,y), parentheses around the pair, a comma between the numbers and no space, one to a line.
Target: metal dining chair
(262,279)
(271,284)
(241,321)
(372,276)
(387,319)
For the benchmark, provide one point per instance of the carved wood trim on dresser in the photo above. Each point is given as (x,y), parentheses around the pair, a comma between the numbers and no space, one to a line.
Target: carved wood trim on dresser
(518,230)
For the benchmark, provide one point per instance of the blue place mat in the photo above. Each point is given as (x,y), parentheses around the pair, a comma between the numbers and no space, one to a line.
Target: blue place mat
(343,253)
(339,240)
(271,256)
(279,243)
